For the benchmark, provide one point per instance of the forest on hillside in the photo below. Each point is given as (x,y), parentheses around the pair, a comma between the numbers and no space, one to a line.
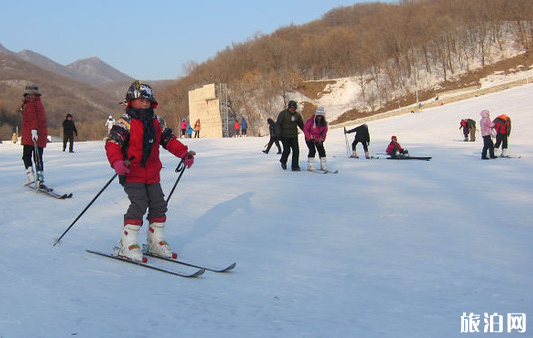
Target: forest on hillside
(392,49)
(389,48)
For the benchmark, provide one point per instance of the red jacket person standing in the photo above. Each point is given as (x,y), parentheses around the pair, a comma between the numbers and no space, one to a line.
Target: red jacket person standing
(136,137)
(34,132)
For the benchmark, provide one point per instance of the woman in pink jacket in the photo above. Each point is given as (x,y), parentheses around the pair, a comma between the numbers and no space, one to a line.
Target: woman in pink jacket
(486,133)
(315,131)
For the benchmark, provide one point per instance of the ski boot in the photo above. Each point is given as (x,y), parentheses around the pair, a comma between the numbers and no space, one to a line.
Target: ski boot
(128,247)
(156,242)
(30,177)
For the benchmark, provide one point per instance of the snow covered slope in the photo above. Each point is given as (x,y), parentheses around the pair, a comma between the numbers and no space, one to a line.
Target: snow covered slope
(383,249)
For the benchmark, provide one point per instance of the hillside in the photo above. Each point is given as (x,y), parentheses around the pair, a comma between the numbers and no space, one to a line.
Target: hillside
(397,54)
(61,95)
(92,71)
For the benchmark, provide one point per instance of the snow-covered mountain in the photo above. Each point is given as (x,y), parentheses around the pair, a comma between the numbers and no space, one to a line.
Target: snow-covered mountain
(385,248)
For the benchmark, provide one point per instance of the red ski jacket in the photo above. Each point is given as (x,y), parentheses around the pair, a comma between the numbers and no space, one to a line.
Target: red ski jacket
(393,148)
(34,117)
(126,140)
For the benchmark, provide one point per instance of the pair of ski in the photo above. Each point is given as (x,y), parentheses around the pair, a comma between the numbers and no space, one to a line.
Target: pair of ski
(323,172)
(423,158)
(50,192)
(365,158)
(198,272)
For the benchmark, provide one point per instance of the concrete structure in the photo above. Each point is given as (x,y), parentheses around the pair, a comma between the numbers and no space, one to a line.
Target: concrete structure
(209,104)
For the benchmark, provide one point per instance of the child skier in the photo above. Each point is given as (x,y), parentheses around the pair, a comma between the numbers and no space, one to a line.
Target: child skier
(395,150)
(135,138)
(315,131)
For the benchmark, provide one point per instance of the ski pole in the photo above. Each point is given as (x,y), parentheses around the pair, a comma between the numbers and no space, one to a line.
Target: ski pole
(127,162)
(347,146)
(181,169)
(37,160)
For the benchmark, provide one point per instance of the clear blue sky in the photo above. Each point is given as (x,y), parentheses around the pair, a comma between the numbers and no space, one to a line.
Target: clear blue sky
(151,39)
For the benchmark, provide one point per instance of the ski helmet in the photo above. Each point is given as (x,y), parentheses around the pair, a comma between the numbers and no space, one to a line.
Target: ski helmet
(140,90)
(292,104)
(393,138)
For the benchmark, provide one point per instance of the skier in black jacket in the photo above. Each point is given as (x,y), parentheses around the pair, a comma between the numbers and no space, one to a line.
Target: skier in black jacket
(274,137)
(69,129)
(361,135)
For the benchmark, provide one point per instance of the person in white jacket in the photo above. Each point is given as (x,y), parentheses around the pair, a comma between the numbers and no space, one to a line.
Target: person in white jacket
(109,123)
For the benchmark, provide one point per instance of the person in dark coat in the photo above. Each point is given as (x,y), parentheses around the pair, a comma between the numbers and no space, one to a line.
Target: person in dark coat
(288,122)
(69,129)
(274,137)
(361,135)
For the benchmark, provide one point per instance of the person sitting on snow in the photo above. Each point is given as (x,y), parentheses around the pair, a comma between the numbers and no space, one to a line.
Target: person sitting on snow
(395,150)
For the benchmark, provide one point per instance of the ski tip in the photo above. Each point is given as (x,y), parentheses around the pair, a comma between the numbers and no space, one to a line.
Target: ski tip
(197,273)
(231,267)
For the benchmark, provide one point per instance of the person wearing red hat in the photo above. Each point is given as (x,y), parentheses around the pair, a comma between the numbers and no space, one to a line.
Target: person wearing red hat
(136,138)
(394,149)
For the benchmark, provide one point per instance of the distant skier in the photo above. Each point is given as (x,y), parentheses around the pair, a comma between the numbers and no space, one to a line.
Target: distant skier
(469,128)
(69,129)
(197,128)
(274,137)
(109,123)
(502,126)
(315,131)
(395,150)
(237,128)
(244,127)
(486,132)
(361,135)
(184,126)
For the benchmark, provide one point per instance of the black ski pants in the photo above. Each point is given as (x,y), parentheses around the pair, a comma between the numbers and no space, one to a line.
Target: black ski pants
(290,143)
(68,137)
(271,142)
(501,139)
(314,147)
(28,153)
(488,145)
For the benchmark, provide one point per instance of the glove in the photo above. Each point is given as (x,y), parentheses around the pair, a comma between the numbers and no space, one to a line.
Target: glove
(34,135)
(188,159)
(120,168)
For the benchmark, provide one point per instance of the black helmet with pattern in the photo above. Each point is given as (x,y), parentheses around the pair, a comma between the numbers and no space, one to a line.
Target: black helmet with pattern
(141,90)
